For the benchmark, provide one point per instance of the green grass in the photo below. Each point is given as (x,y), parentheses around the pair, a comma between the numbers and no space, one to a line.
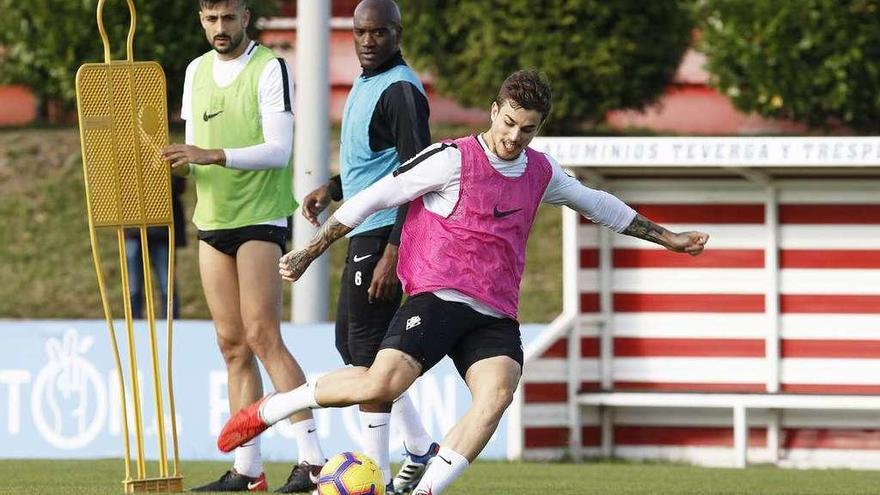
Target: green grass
(99,477)
(46,262)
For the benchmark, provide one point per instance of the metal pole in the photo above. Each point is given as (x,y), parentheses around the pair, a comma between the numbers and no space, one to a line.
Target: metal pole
(311,147)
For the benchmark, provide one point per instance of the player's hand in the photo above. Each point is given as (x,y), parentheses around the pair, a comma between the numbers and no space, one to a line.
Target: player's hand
(314,203)
(181,171)
(692,242)
(385,282)
(178,155)
(292,265)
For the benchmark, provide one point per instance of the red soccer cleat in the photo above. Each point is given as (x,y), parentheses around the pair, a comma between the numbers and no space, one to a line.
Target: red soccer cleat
(244,425)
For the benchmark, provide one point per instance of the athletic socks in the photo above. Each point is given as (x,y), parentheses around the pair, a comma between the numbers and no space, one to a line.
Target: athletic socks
(415,439)
(282,405)
(375,429)
(306,434)
(248,460)
(445,468)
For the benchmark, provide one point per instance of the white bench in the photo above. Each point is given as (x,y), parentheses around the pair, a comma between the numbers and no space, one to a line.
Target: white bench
(739,403)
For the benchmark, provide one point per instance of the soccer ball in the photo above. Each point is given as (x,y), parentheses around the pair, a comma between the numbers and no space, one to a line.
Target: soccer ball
(350,473)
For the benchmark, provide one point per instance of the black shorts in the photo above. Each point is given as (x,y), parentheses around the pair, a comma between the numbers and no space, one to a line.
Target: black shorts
(361,326)
(428,328)
(228,241)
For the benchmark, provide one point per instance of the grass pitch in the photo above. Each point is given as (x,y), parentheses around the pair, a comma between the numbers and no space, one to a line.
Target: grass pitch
(102,477)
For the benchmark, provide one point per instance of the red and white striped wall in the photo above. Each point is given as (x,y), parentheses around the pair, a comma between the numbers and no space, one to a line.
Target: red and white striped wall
(786,298)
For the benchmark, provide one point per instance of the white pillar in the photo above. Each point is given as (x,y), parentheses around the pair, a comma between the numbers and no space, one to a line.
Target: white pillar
(774,427)
(515,435)
(607,425)
(570,262)
(740,436)
(311,163)
(571,306)
(573,362)
(771,297)
(606,307)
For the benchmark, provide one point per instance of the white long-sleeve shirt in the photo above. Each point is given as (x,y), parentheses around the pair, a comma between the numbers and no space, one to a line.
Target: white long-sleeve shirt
(276,120)
(435,175)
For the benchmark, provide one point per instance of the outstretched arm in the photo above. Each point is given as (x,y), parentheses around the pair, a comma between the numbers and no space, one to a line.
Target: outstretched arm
(293,264)
(606,209)
(691,242)
(389,191)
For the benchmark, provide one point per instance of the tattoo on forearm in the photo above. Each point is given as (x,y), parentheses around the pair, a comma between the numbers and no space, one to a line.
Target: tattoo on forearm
(332,230)
(297,262)
(645,229)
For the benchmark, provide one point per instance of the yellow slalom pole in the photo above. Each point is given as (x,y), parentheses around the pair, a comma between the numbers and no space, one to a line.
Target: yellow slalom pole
(120,378)
(148,279)
(169,313)
(132,356)
(154,352)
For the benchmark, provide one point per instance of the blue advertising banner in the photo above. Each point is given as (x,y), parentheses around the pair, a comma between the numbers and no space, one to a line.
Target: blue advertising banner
(59,396)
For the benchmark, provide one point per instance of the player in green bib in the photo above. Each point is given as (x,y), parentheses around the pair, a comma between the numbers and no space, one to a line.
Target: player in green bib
(237,104)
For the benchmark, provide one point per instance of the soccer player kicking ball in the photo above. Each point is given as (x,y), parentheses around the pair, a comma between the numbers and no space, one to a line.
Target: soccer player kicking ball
(462,254)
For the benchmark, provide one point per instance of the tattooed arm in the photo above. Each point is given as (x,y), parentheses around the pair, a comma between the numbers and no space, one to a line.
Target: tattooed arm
(691,242)
(390,191)
(606,209)
(293,264)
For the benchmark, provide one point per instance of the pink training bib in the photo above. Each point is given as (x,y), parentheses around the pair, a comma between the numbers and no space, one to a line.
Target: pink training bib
(480,249)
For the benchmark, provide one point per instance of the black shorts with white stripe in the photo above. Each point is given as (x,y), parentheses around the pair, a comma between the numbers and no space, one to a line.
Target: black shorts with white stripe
(428,328)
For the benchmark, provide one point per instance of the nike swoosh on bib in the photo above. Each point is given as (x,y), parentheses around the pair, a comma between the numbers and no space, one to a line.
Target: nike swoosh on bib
(360,258)
(503,213)
(208,116)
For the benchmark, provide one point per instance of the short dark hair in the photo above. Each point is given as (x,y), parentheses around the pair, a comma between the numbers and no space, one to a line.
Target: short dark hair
(242,4)
(526,89)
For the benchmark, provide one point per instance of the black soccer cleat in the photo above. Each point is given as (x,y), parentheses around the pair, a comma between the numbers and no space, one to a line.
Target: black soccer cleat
(303,478)
(234,482)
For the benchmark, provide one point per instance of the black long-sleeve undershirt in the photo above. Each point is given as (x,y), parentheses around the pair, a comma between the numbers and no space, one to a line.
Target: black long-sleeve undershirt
(400,120)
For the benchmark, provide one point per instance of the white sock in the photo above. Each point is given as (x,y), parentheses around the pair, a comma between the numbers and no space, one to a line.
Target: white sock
(375,429)
(306,434)
(415,439)
(443,470)
(248,460)
(282,405)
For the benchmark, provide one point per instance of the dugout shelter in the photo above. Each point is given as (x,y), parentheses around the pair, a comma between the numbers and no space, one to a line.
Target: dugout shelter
(766,348)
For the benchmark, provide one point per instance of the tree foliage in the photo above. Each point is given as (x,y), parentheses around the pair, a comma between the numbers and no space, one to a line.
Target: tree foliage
(811,61)
(45,41)
(598,55)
